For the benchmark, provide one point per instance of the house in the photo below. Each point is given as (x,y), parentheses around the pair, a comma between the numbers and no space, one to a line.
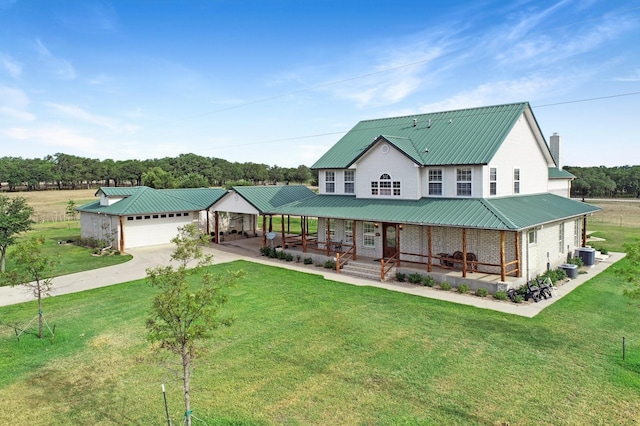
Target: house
(130,217)
(430,190)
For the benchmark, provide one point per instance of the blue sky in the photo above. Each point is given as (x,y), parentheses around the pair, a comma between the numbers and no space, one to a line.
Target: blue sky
(278,82)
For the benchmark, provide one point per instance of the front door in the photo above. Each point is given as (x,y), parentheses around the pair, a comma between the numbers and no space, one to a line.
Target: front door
(389,239)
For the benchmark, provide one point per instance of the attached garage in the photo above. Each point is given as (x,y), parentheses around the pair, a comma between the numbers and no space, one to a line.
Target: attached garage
(154,229)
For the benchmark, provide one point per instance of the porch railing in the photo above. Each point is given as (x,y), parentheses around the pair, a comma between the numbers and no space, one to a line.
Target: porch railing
(386,265)
(343,258)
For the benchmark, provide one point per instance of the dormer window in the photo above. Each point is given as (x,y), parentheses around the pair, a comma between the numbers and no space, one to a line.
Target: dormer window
(385,186)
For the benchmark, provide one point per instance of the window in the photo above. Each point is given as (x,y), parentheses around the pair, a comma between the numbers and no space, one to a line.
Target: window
(493,181)
(332,228)
(348,231)
(185,214)
(576,233)
(435,181)
(516,181)
(463,182)
(129,217)
(369,234)
(163,216)
(533,236)
(349,182)
(561,237)
(148,217)
(138,217)
(155,216)
(171,215)
(330,182)
(385,186)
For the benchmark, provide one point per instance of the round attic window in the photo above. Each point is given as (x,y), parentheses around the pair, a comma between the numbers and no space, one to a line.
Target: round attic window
(384,148)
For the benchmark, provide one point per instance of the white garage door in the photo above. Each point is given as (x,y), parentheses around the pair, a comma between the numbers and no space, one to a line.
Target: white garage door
(150,230)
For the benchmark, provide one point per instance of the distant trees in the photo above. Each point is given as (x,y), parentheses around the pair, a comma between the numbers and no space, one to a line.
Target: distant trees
(64,171)
(609,182)
(15,218)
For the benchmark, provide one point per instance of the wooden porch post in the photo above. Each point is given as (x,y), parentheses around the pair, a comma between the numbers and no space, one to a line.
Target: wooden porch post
(429,250)
(121,233)
(519,261)
(303,227)
(584,231)
(264,230)
(208,224)
(503,271)
(216,226)
(355,241)
(328,237)
(464,252)
(288,223)
(283,234)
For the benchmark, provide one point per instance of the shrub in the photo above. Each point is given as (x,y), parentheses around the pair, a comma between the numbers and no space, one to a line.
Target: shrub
(482,292)
(576,261)
(400,276)
(554,275)
(500,295)
(603,250)
(463,288)
(445,286)
(298,258)
(414,278)
(329,264)
(307,261)
(265,251)
(429,281)
(288,257)
(518,298)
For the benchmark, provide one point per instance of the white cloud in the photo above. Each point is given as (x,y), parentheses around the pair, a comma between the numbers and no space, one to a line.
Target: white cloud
(633,76)
(52,135)
(13,67)
(14,104)
(77,113)
(16,114)
(61,68)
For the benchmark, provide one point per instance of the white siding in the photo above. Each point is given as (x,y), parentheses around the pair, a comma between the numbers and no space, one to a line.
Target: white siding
(560,187)
(519,150)
(379,160)
(145,230)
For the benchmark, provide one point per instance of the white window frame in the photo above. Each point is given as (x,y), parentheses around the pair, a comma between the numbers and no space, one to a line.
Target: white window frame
(368,234)
(464,180)
(561,237)
(435,184)
(532,237)
(348,231)
(516,180)
(493,181)
(576,233)
(329,182)
(385,186)
(349,182)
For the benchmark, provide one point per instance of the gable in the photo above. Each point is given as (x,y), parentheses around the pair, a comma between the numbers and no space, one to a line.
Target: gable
(460,137)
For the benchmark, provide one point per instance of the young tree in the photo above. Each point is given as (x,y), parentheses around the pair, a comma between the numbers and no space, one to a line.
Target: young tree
(15,217)
(184,314)
(71,210)
(34,271)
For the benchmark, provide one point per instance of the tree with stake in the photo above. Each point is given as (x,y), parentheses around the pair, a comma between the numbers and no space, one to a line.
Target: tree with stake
(185,314)
(15,218)
(633,272)
(34,272)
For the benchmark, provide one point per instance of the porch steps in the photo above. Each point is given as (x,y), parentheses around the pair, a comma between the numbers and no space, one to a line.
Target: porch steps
(368,270)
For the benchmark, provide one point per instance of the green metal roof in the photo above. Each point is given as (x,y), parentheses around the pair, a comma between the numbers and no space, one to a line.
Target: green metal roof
(145,200)
(556,173)
(466,136)
(508,213)
(268,198)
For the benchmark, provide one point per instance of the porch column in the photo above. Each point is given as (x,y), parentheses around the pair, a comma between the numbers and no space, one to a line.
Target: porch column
(503,271)
(303,227)
(216,226)
(464,252)
(429,249)
(288,223)
(355,240)
(518,260)
(584,231)
(398,228)
(283,234)
(208,224)
(264,230)
(328,237)
(121,234)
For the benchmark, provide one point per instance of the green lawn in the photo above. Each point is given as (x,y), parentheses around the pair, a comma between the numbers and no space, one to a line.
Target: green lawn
(309,351)
(70,258)
(615,236)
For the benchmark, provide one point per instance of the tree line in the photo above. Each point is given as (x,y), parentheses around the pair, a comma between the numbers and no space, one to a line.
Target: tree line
(605,182)
(65,171)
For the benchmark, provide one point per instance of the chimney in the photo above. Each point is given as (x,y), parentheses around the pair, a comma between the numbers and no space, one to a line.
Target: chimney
(555,146)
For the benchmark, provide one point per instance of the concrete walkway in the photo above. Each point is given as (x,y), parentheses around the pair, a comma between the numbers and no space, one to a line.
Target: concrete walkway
(149,257)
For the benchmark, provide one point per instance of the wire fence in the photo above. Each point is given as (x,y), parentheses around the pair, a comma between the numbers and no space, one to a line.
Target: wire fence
(54,216)
(623,221)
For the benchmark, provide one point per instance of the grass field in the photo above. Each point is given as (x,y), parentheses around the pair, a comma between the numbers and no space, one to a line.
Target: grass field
(618,223)
(309,351)
(51,206)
